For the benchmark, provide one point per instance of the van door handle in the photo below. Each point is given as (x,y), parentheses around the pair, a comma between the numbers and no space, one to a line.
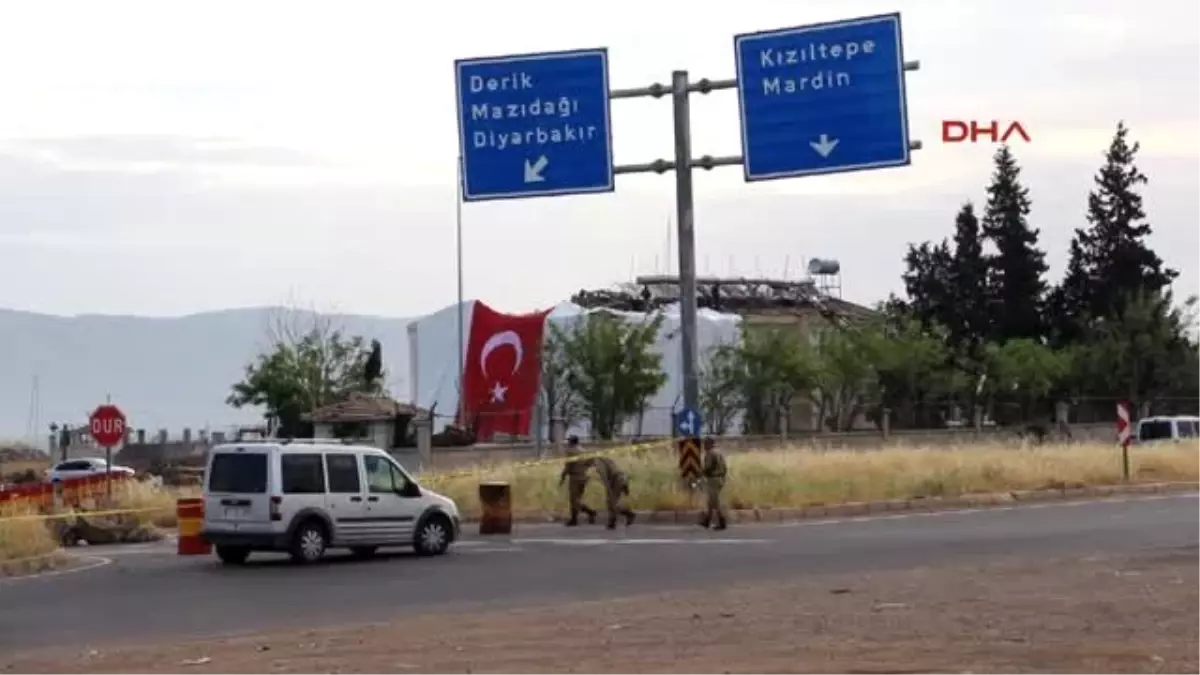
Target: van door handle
(356,499)
(372,499)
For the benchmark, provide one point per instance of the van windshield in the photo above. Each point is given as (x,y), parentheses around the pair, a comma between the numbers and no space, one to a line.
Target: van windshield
(242,473)
(1154,430)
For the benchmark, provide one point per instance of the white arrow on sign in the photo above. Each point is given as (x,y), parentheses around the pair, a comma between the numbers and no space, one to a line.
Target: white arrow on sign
(533,172)
(688,423)
(823,145)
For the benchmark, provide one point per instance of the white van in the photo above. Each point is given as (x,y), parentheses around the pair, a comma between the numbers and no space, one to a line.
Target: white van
(1167,428)
(303,498)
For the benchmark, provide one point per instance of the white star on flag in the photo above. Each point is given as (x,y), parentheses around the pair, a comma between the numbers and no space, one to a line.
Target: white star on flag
(498,392)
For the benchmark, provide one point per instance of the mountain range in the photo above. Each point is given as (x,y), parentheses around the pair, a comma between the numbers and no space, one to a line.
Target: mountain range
(164,373)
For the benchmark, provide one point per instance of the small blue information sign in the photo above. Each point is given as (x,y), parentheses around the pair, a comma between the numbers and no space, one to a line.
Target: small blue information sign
(688,422)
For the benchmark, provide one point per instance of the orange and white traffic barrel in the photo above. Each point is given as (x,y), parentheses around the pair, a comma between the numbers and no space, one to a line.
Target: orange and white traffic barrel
(190,514)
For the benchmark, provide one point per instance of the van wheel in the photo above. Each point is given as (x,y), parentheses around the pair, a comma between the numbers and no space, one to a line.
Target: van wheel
(363,551)
(233,555)
(433,536)
(308,542)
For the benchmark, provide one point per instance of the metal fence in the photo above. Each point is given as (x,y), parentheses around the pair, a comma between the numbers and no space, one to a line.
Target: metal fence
(805,418)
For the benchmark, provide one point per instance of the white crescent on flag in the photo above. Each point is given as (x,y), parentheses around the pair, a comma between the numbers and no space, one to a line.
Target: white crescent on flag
(496,341)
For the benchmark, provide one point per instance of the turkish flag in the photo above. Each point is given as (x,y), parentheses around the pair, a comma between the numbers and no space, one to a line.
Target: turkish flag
(501,371)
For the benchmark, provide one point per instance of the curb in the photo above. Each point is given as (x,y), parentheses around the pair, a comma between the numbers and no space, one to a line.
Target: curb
(858,509)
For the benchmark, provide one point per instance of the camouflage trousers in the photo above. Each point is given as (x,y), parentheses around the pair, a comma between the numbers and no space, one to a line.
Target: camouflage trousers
(712,498)
(575,490)
(614,500)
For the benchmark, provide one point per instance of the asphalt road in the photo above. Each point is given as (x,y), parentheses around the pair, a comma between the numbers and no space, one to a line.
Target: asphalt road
(141,593)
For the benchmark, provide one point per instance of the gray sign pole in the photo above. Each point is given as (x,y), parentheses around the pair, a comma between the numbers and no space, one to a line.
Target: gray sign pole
(681,88)
(458,264)
(684,214)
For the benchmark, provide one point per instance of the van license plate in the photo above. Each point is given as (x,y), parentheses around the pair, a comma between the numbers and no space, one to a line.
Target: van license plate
(236,514)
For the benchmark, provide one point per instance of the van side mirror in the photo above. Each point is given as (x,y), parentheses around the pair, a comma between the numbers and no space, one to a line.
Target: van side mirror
(410,489)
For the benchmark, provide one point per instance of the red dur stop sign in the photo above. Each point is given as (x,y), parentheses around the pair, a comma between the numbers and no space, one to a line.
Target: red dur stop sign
(107,425)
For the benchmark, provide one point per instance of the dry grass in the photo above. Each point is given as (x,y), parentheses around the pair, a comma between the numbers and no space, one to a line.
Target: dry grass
(30,544)
(153,505)
(19,466)
(792,478)
(26,544)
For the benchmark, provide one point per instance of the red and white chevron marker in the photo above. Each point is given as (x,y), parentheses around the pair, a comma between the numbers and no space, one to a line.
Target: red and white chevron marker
(1124,433)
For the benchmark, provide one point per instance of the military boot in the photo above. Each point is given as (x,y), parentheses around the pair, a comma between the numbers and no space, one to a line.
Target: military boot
(704,522)
(629,518)
(720,523)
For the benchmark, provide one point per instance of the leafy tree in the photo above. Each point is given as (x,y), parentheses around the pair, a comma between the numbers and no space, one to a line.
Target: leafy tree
(910,367)
(1144,352)
(720,388)
(843,377)
(767,368)
(611,367)
(560,401)
(1016,269)
(309,364)
(1022,374)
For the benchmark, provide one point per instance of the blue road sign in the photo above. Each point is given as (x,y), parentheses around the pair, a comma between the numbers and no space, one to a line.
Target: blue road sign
(534,125)
(688,423)
(823,98)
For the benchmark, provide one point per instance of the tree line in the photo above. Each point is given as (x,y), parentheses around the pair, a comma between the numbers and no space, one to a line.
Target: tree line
(980,327)
(1109,328)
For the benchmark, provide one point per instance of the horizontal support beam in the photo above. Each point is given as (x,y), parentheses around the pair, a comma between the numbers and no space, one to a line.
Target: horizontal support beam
(707,162)
(704,86)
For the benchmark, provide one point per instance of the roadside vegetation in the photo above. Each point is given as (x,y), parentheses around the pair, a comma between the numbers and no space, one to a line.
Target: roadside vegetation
(803,477)
(29,543)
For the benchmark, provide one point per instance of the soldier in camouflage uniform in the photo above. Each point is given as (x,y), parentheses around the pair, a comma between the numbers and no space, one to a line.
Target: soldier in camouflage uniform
(712,473)
(575,472)
(616,486)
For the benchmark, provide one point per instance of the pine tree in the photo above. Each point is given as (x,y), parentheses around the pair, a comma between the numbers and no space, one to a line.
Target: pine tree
(1016,285)
(927,282)
(968,286)
(1114,254)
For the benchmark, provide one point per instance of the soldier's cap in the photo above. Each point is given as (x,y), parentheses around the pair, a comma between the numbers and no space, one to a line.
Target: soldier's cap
(572,440)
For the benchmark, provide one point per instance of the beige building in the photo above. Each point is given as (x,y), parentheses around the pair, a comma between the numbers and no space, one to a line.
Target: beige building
(380,421)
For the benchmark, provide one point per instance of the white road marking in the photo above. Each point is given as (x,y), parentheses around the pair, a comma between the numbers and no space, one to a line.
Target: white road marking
(957,512)
(602,542)
(492,549)
(96,561)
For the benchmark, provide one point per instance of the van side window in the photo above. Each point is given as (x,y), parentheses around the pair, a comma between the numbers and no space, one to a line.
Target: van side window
(381,478)
(343,474)
(1155,430)
(1189,429)
(302,474)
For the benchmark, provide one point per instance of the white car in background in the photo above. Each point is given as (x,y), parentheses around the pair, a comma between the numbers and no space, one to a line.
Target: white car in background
(83,467)
(1168,428)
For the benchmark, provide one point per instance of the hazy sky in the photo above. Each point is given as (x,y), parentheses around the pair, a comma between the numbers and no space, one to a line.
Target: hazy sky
(168,157)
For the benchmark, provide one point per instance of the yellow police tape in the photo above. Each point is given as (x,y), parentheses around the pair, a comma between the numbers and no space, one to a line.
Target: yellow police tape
(431,478)
(90,514)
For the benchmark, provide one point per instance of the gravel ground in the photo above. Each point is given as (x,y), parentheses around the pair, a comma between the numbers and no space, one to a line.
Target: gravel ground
(1090,615)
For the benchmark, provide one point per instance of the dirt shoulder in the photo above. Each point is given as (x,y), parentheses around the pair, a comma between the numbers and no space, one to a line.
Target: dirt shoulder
(1094,615)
